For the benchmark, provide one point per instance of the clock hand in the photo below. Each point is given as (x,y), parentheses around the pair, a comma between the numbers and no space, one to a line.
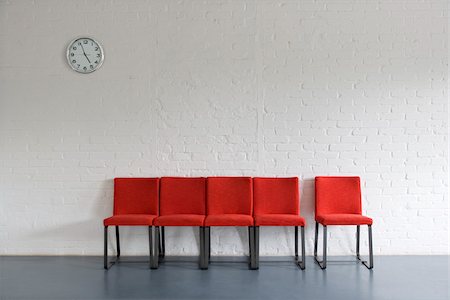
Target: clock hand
(85,53)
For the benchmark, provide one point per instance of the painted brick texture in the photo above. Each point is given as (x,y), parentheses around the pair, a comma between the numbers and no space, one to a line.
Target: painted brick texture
(199,88)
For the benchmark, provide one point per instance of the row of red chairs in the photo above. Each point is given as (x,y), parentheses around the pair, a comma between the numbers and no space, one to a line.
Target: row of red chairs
(232,201)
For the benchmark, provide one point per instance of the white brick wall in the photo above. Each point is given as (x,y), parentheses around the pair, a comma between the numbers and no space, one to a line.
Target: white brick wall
(267,88)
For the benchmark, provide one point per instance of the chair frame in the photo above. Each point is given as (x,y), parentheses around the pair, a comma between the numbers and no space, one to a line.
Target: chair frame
(206,257)
(160,252)
(323,263)
(108,264)
(300,263)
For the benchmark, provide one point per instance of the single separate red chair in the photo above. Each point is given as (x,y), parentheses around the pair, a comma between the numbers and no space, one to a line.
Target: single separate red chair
(182,203)
(338,202)
(229,203)
(135,204)
(277,203)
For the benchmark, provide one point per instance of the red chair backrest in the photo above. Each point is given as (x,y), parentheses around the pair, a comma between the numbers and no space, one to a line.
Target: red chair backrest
(182,195)
(229,195)
(338,195)
(136,196)
(276,196)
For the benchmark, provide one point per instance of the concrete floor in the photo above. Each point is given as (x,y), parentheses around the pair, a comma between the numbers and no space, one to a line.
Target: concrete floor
(394,277)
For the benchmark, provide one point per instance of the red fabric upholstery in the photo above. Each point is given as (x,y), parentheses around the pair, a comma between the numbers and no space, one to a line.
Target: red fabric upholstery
(180,220)
(279,220)
(130,220)
(182,195)
(135,202)
(229,195)
(338,201)
(136,196)
(276,196)
(229,220)
(344,219)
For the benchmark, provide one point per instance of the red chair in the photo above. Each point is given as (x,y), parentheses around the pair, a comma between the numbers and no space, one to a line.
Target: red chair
(135,204)
(229,203)
(182,203)
(277,203)
(338,202)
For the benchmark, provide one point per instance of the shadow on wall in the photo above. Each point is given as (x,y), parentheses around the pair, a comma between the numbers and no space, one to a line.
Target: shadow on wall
(76,227)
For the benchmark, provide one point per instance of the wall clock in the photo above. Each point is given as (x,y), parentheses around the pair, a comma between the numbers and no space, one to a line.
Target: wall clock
(85,55)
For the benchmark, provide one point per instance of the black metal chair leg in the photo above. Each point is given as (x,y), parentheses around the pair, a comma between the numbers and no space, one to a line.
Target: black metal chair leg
(201,261)
(324,259)
(256,247)
(162,250)
(155,256)
(150,246)
(323,263)
(209,244)
(316,237)
(207,247)
(370,265)
(301,263)
(106,263)
(251,247)
(117,241)
(357,242)
(105,249)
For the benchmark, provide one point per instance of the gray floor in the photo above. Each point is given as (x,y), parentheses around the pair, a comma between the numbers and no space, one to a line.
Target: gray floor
(394,277)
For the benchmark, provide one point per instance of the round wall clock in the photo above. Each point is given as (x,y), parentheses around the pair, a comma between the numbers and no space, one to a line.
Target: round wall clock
(85,55)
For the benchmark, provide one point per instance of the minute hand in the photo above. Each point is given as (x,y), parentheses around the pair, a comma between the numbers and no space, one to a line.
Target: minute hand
(85,53)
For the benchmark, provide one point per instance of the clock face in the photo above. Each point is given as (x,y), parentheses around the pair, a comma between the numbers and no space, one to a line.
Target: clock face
(85,55)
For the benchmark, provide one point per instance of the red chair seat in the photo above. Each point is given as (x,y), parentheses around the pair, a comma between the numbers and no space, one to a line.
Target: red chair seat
(180,220)
(343,219)
(130,220)
(229,220)
(279,220)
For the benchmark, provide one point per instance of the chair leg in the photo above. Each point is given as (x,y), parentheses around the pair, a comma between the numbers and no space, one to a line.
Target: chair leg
(117,241)
(301,263)
(256,247)
(105,249)
(207,258)
(316,237)
(323,263)
(162,250)
(156,249)
(251,247)
(209,245)
(357,242)
(201,260)
(150,246)
(370,265)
